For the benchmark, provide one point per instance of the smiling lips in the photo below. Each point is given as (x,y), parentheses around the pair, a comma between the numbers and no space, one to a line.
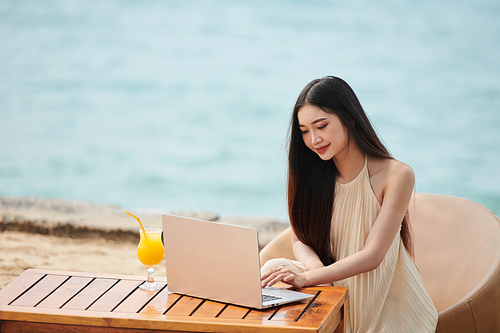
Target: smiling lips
(322,149)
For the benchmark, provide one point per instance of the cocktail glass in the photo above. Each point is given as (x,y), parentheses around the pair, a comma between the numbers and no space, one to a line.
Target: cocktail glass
(150,252)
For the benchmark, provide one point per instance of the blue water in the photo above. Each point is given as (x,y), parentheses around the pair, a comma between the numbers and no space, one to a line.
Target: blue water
(186,104)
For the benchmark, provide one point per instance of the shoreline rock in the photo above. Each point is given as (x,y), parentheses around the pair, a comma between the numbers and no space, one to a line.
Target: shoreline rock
(84,219)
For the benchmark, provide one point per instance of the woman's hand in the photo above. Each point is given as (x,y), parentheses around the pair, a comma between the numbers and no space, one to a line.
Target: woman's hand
(285,275)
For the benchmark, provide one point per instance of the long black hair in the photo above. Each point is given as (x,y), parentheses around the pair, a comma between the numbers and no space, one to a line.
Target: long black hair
(311,181)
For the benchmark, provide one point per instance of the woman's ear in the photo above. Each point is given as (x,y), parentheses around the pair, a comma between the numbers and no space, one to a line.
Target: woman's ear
(350,122)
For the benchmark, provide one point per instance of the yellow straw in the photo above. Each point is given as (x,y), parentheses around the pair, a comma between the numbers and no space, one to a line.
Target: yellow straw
(144,231)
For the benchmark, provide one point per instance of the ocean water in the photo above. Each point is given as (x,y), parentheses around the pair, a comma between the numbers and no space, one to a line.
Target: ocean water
(186,104)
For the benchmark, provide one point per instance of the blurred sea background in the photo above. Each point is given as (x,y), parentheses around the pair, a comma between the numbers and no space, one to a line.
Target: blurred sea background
(185,105)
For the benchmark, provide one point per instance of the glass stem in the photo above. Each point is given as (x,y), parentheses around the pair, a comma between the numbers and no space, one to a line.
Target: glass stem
(151,271)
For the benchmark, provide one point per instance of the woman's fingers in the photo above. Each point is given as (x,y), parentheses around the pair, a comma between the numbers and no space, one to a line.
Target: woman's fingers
(271,280)
(274,276)
(266,274)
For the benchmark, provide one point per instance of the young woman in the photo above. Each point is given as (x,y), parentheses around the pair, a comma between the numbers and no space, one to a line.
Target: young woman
(347,202)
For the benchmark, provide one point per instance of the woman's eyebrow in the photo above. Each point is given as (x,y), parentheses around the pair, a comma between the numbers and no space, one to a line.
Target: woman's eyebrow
(314,122)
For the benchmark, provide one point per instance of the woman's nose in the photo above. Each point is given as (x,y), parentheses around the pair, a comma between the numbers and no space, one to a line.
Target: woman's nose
(316,138)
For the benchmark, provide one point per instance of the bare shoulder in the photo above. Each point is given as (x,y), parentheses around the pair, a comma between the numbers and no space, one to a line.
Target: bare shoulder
(399,170)
(389,168)
(389,173)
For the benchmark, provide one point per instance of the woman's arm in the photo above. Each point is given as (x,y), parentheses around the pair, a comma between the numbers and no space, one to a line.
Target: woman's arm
(305,254)
(396,197)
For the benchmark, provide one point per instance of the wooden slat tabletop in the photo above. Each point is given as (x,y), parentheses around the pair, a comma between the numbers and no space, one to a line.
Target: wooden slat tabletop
(48,301)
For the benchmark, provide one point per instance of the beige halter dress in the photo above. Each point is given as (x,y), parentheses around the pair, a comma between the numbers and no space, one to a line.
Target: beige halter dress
(390,298)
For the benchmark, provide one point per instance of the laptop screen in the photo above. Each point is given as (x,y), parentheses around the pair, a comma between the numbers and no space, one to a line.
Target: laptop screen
(212,260)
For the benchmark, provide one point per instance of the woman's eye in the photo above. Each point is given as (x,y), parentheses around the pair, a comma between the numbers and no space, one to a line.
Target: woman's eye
(322,126)
(304,131)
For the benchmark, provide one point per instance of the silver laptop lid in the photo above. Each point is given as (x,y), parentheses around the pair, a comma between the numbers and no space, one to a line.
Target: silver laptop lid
(212,260)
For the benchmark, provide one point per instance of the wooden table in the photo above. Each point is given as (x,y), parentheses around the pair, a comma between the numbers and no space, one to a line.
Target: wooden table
(53,301)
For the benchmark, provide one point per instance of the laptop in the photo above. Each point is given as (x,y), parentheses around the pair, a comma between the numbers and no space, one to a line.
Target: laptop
(219,262)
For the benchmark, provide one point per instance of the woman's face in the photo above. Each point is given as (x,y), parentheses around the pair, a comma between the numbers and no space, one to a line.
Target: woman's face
(322,132)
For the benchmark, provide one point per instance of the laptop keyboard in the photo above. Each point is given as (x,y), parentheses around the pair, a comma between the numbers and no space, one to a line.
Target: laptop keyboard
(267,298)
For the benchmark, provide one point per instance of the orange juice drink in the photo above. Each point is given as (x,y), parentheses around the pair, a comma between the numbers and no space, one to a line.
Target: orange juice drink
(150,249)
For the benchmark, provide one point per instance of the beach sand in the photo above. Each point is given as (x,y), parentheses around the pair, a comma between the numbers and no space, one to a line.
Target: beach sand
(20,251)
(48,233)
